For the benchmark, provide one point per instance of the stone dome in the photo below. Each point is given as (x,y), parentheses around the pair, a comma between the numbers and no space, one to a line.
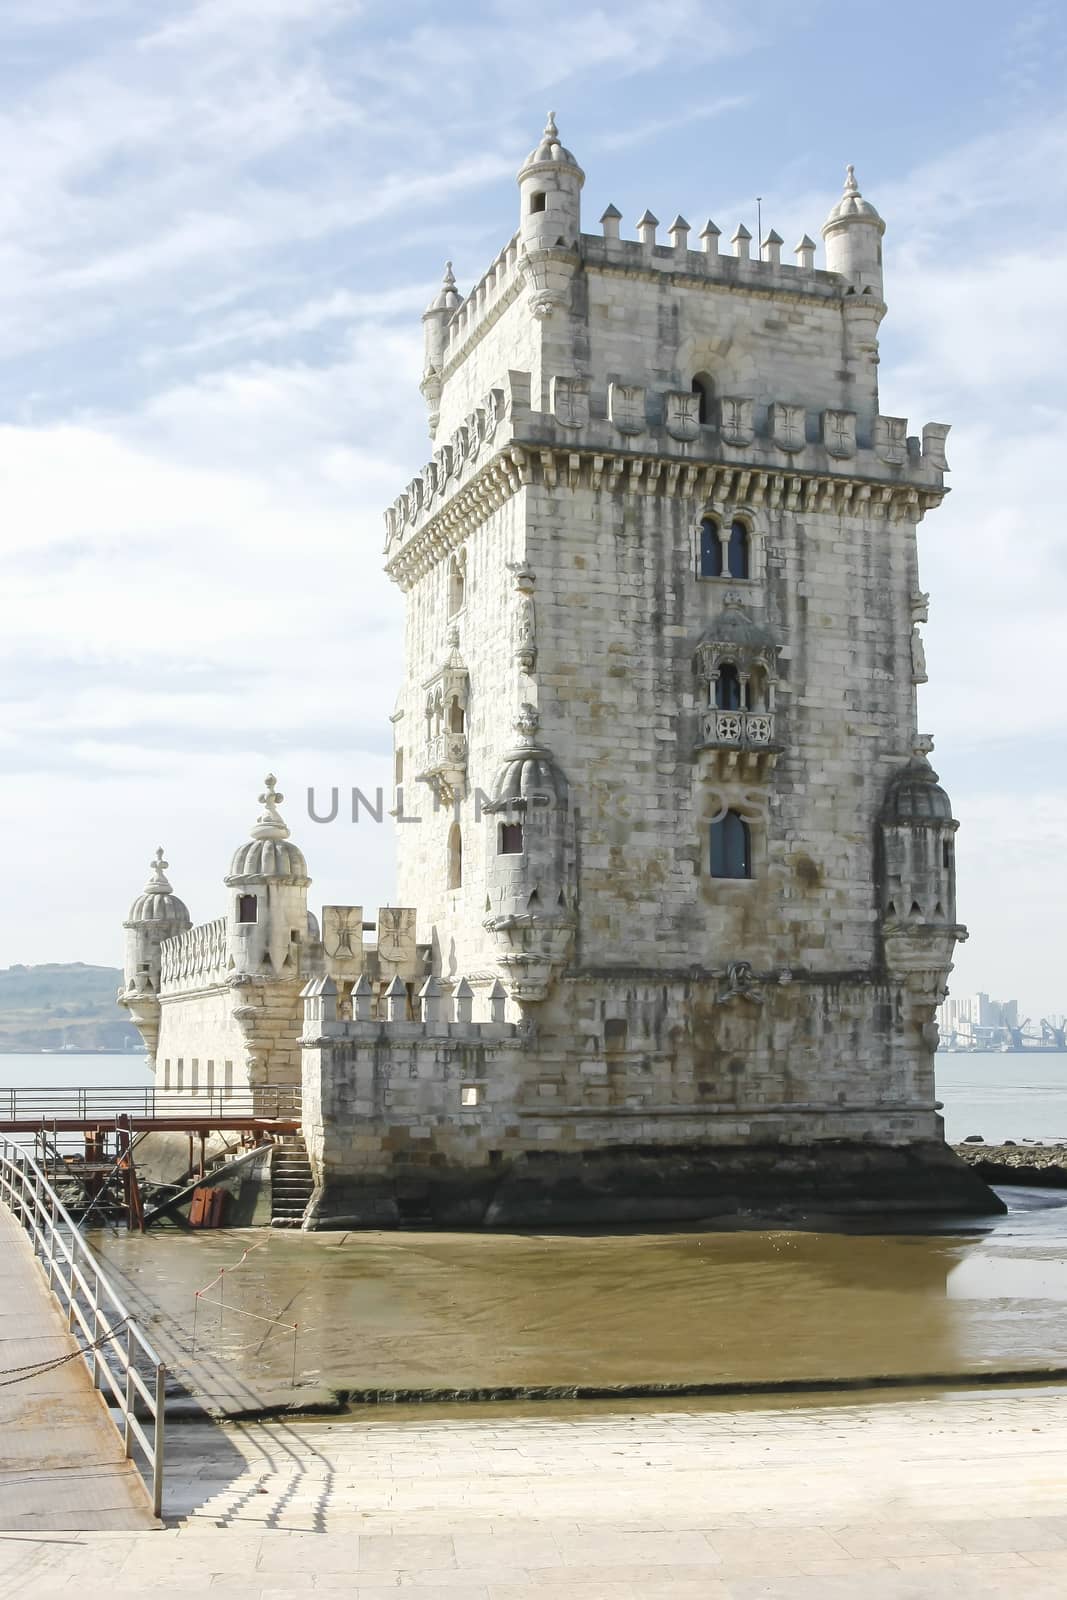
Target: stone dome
(914,795)
(550,149)
(528,774)
(269,853)
(852,206)
(158,902)
(448,297)
(268,858)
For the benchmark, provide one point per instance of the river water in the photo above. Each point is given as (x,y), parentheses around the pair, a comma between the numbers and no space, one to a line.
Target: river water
(409,1310)
(1010,1096)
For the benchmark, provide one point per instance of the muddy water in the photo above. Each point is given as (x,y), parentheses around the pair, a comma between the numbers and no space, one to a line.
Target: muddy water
(470,1310)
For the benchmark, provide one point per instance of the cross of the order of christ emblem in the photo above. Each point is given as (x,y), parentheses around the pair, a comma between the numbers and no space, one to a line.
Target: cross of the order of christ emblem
(626,407)
(570,402)
(682,414)
(787,426)
(839,432)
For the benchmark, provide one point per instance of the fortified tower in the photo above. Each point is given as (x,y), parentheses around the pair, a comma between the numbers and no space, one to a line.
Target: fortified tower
(677,897)
(658,725)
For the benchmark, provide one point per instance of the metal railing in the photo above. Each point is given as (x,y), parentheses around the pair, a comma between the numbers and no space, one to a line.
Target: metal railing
(149,1103)
(115,1344)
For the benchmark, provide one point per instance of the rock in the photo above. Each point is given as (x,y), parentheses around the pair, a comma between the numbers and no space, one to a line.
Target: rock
(1009,1141)
(974,1138)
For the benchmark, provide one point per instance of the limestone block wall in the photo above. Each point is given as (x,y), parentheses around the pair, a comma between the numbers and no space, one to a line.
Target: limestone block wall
(254,1027)
(625,1064)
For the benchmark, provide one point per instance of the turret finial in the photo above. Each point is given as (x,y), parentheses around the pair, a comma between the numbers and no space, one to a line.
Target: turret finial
(851,186)
(551,131)
(270,825)
(157,880)
(449,279)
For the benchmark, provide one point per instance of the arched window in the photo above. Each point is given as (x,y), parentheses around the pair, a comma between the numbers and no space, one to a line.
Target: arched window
(247,908)
(710,549)
(703,386)
(728,688)
(757,690)
(456,719)
(455,857)
(398,764)
(457,586)
(737,555)
(731,847)
(510,842)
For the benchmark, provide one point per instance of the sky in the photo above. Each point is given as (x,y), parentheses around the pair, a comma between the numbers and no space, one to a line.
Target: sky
(219,225)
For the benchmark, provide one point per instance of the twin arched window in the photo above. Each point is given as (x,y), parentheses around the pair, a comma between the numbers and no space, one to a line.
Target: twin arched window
(731,847)
(724,555)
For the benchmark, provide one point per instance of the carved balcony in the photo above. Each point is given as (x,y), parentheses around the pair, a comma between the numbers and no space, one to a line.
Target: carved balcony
(445,764)
(738,742)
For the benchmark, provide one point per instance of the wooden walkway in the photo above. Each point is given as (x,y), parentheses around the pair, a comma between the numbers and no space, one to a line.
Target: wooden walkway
(62,1467)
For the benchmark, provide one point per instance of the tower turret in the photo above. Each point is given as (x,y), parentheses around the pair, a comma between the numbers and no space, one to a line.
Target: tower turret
(268,913)
(853,234)
(550,189)
(435,320)
(155,915)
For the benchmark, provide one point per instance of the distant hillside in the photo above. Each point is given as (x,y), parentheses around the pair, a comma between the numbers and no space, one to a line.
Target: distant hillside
(57,1005)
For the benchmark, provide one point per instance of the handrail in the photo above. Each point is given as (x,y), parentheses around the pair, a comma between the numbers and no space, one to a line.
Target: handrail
(149,1102)
(91,1305)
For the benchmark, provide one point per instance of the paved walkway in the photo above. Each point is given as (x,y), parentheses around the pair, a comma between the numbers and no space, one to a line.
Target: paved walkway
(61,1460)
(901,1499)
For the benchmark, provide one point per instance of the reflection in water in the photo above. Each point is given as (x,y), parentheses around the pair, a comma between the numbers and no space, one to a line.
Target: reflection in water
(456,1310)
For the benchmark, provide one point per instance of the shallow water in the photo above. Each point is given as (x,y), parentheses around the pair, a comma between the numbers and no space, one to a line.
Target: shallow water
(408,1310)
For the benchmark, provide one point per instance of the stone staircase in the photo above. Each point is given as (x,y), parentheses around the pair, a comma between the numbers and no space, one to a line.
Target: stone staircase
(291,1182)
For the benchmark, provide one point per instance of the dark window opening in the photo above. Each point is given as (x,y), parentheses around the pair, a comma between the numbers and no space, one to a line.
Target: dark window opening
(703,388)
(456,717)
(510,839)
(737,554)
(731,847)
(710,550)
(247,908)
(728,688)
(946,854)
(538,201)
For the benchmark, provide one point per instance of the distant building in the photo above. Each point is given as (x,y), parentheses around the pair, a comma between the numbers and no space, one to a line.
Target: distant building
(976,1019)
(680,903)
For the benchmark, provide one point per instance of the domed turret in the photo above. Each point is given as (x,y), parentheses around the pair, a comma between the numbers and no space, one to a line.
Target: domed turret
(530,864)
(156,914)
(916,796)
(269,876)
(853,234)
(268,854)
(157,902)
(550,186)
(918,850)
(435,319)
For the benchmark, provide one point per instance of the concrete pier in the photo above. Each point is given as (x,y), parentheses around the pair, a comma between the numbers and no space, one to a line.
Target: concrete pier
(62,1467)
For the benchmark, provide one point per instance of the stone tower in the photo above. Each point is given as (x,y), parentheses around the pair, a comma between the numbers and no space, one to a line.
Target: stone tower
(657,747)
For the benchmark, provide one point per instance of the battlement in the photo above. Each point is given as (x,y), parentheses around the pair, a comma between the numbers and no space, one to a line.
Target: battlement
(445,1012)
(195,959)
(627,437)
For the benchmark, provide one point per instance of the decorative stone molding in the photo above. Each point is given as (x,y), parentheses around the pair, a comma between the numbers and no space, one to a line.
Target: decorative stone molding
(524,625)
(639,473)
